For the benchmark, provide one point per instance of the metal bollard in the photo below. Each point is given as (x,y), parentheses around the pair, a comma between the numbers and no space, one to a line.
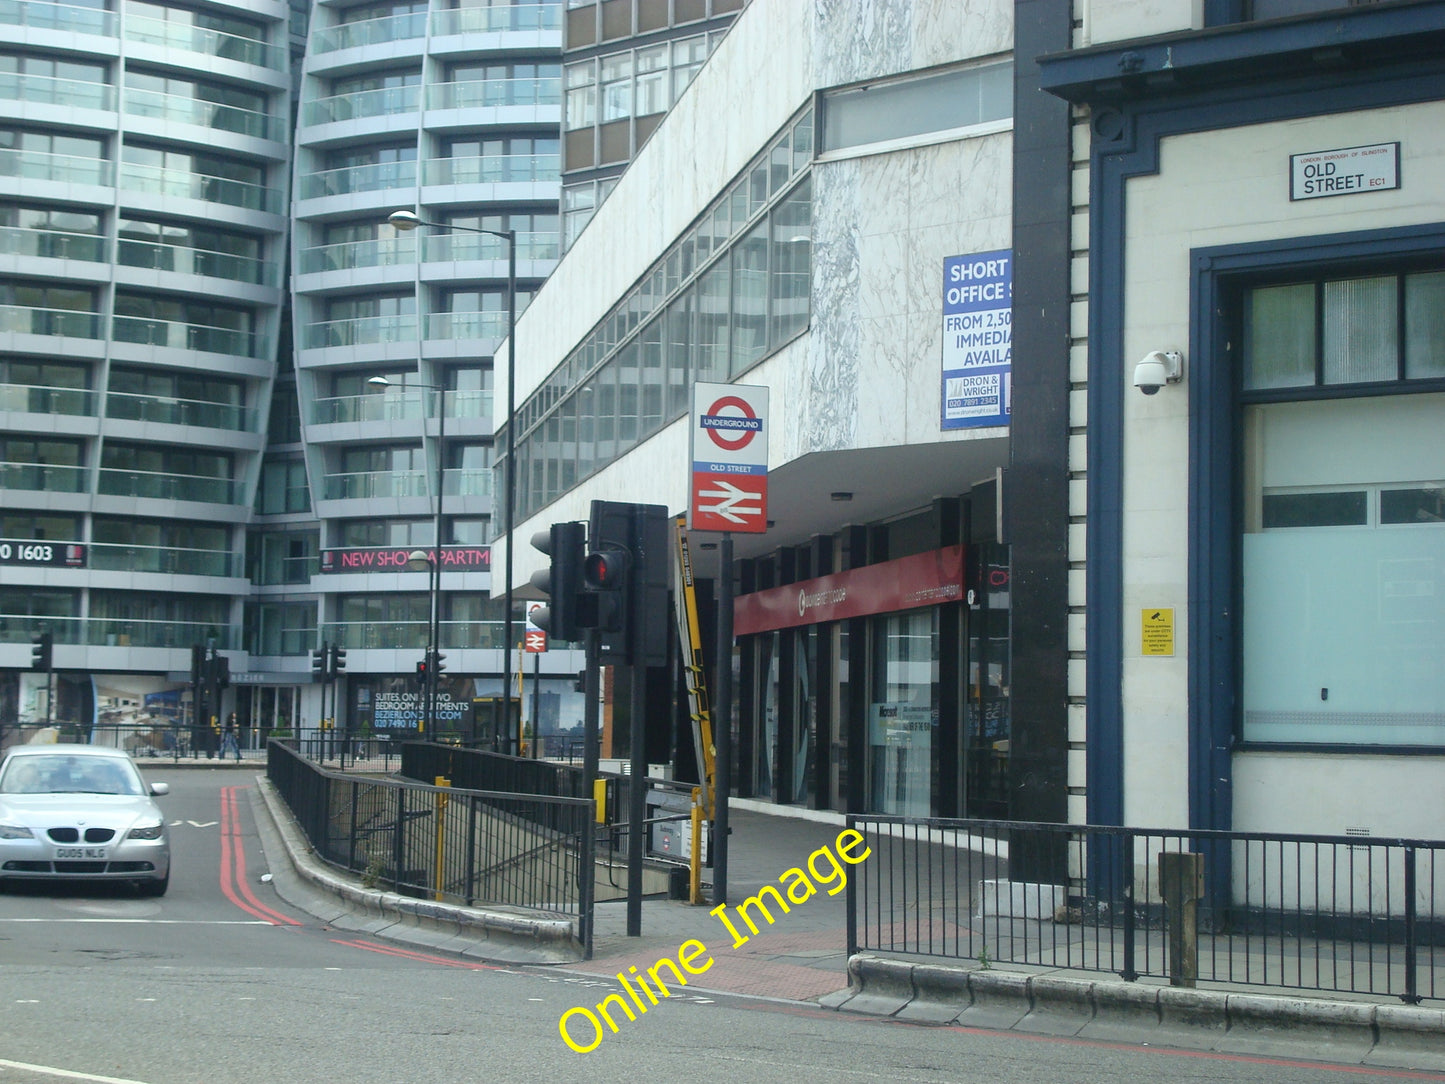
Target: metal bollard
(1181,883)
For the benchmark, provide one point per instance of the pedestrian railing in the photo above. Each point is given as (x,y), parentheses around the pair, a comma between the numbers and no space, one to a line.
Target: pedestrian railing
(1350,914)
(473,847)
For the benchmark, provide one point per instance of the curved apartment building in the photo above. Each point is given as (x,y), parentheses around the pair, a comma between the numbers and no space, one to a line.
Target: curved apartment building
(144,159)
(454,113)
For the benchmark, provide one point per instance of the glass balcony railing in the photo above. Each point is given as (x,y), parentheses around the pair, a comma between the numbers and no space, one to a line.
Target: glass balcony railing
(448,247)
(43,15)
(153,408)
(380,483)
(494,92)
(60,168)
(346,255)
(471,482)
(491,20)
(186,185)
(32,399)
(42,477)
(184,110)
(166,487)
(196,261)
(476,403)
(117,631)
(196,39)
(191,562)
(368,178)
(381,102)
(369,32)
(393,407)
(51,244)
(181,336)
(28,321)
(359,331)
(454,635)
(375,407)
(467,325)
(492,169)
(128,632)
(47,89)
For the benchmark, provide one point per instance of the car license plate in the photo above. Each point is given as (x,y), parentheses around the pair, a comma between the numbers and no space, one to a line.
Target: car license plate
(80,852)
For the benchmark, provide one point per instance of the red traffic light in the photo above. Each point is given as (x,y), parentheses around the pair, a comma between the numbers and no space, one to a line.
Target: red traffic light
(606,570)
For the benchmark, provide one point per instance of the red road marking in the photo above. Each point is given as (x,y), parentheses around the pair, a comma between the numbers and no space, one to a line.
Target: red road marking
(420,957)
(234,885)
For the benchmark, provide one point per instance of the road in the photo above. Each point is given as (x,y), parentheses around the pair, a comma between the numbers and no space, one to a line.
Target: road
(222,982)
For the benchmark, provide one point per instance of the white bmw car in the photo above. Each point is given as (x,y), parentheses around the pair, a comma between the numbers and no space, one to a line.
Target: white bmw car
(81,812)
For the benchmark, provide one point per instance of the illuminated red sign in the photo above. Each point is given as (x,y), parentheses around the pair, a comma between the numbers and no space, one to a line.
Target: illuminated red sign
(454,559)
(923,579)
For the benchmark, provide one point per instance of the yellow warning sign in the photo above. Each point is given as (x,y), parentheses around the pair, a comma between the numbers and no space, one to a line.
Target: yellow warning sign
(1156,636)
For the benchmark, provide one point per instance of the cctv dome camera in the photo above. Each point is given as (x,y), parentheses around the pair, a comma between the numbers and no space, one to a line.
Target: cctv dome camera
(1158,368)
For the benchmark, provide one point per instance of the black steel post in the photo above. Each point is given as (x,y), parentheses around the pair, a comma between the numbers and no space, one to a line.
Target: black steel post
(510,485)
(636,799)
(722,729)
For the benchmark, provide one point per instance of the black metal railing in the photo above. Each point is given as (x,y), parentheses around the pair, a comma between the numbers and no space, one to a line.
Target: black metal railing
(1332,913)
(474,847)
(481,769)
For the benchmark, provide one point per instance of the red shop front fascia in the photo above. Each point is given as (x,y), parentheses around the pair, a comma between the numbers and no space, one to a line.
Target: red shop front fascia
(906,583)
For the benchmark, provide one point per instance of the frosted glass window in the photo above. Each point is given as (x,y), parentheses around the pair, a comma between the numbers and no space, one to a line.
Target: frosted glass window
(1361,330)
(934,103)
(1279,337)
(1425,325)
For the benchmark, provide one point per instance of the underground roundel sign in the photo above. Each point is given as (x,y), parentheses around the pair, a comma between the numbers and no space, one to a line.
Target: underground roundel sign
(729,449)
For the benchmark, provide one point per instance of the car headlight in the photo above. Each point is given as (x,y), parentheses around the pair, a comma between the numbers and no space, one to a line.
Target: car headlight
(146,831)
(15,831)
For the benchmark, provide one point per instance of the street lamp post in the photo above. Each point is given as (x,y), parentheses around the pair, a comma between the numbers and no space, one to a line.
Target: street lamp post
(417,560)
(410,220)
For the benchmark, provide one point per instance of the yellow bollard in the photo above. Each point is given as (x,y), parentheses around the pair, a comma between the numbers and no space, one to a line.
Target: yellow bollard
(695,865)
(441,804)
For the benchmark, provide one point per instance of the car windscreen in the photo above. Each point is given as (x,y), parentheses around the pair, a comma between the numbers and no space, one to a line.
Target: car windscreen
(70,774)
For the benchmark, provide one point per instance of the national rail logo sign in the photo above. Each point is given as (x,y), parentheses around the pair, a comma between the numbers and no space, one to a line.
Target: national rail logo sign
(729,452)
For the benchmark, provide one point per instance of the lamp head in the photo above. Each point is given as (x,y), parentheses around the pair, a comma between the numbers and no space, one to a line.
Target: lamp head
(404,220)
(379,381)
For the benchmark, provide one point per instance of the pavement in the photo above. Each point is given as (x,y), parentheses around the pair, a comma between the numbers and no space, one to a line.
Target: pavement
(802,957)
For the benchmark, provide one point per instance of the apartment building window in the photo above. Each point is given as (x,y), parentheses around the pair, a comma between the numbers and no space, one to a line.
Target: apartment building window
(283,557)
(190,248)
(50,232)
(39,525)
(200,19)
(283,488)
(197,101)
(386,10)
(42,464)
(280,628)
(55,81)
(184,323)
(52,156)
(49,310)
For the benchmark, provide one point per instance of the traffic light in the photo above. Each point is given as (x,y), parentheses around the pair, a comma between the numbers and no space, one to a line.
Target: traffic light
(561,582)
(220,671)
(338,660)
(41,653)
(318,661)
(198,664)
(605,573)
(439,662)
(423,667)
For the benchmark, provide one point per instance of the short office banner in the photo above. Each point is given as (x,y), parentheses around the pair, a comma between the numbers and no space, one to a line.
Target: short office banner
(977,339)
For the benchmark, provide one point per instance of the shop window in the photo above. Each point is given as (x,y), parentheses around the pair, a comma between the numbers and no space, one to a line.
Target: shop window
(1342,562)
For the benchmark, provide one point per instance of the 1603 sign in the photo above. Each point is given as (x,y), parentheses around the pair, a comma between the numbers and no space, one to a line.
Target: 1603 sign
(70,554)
